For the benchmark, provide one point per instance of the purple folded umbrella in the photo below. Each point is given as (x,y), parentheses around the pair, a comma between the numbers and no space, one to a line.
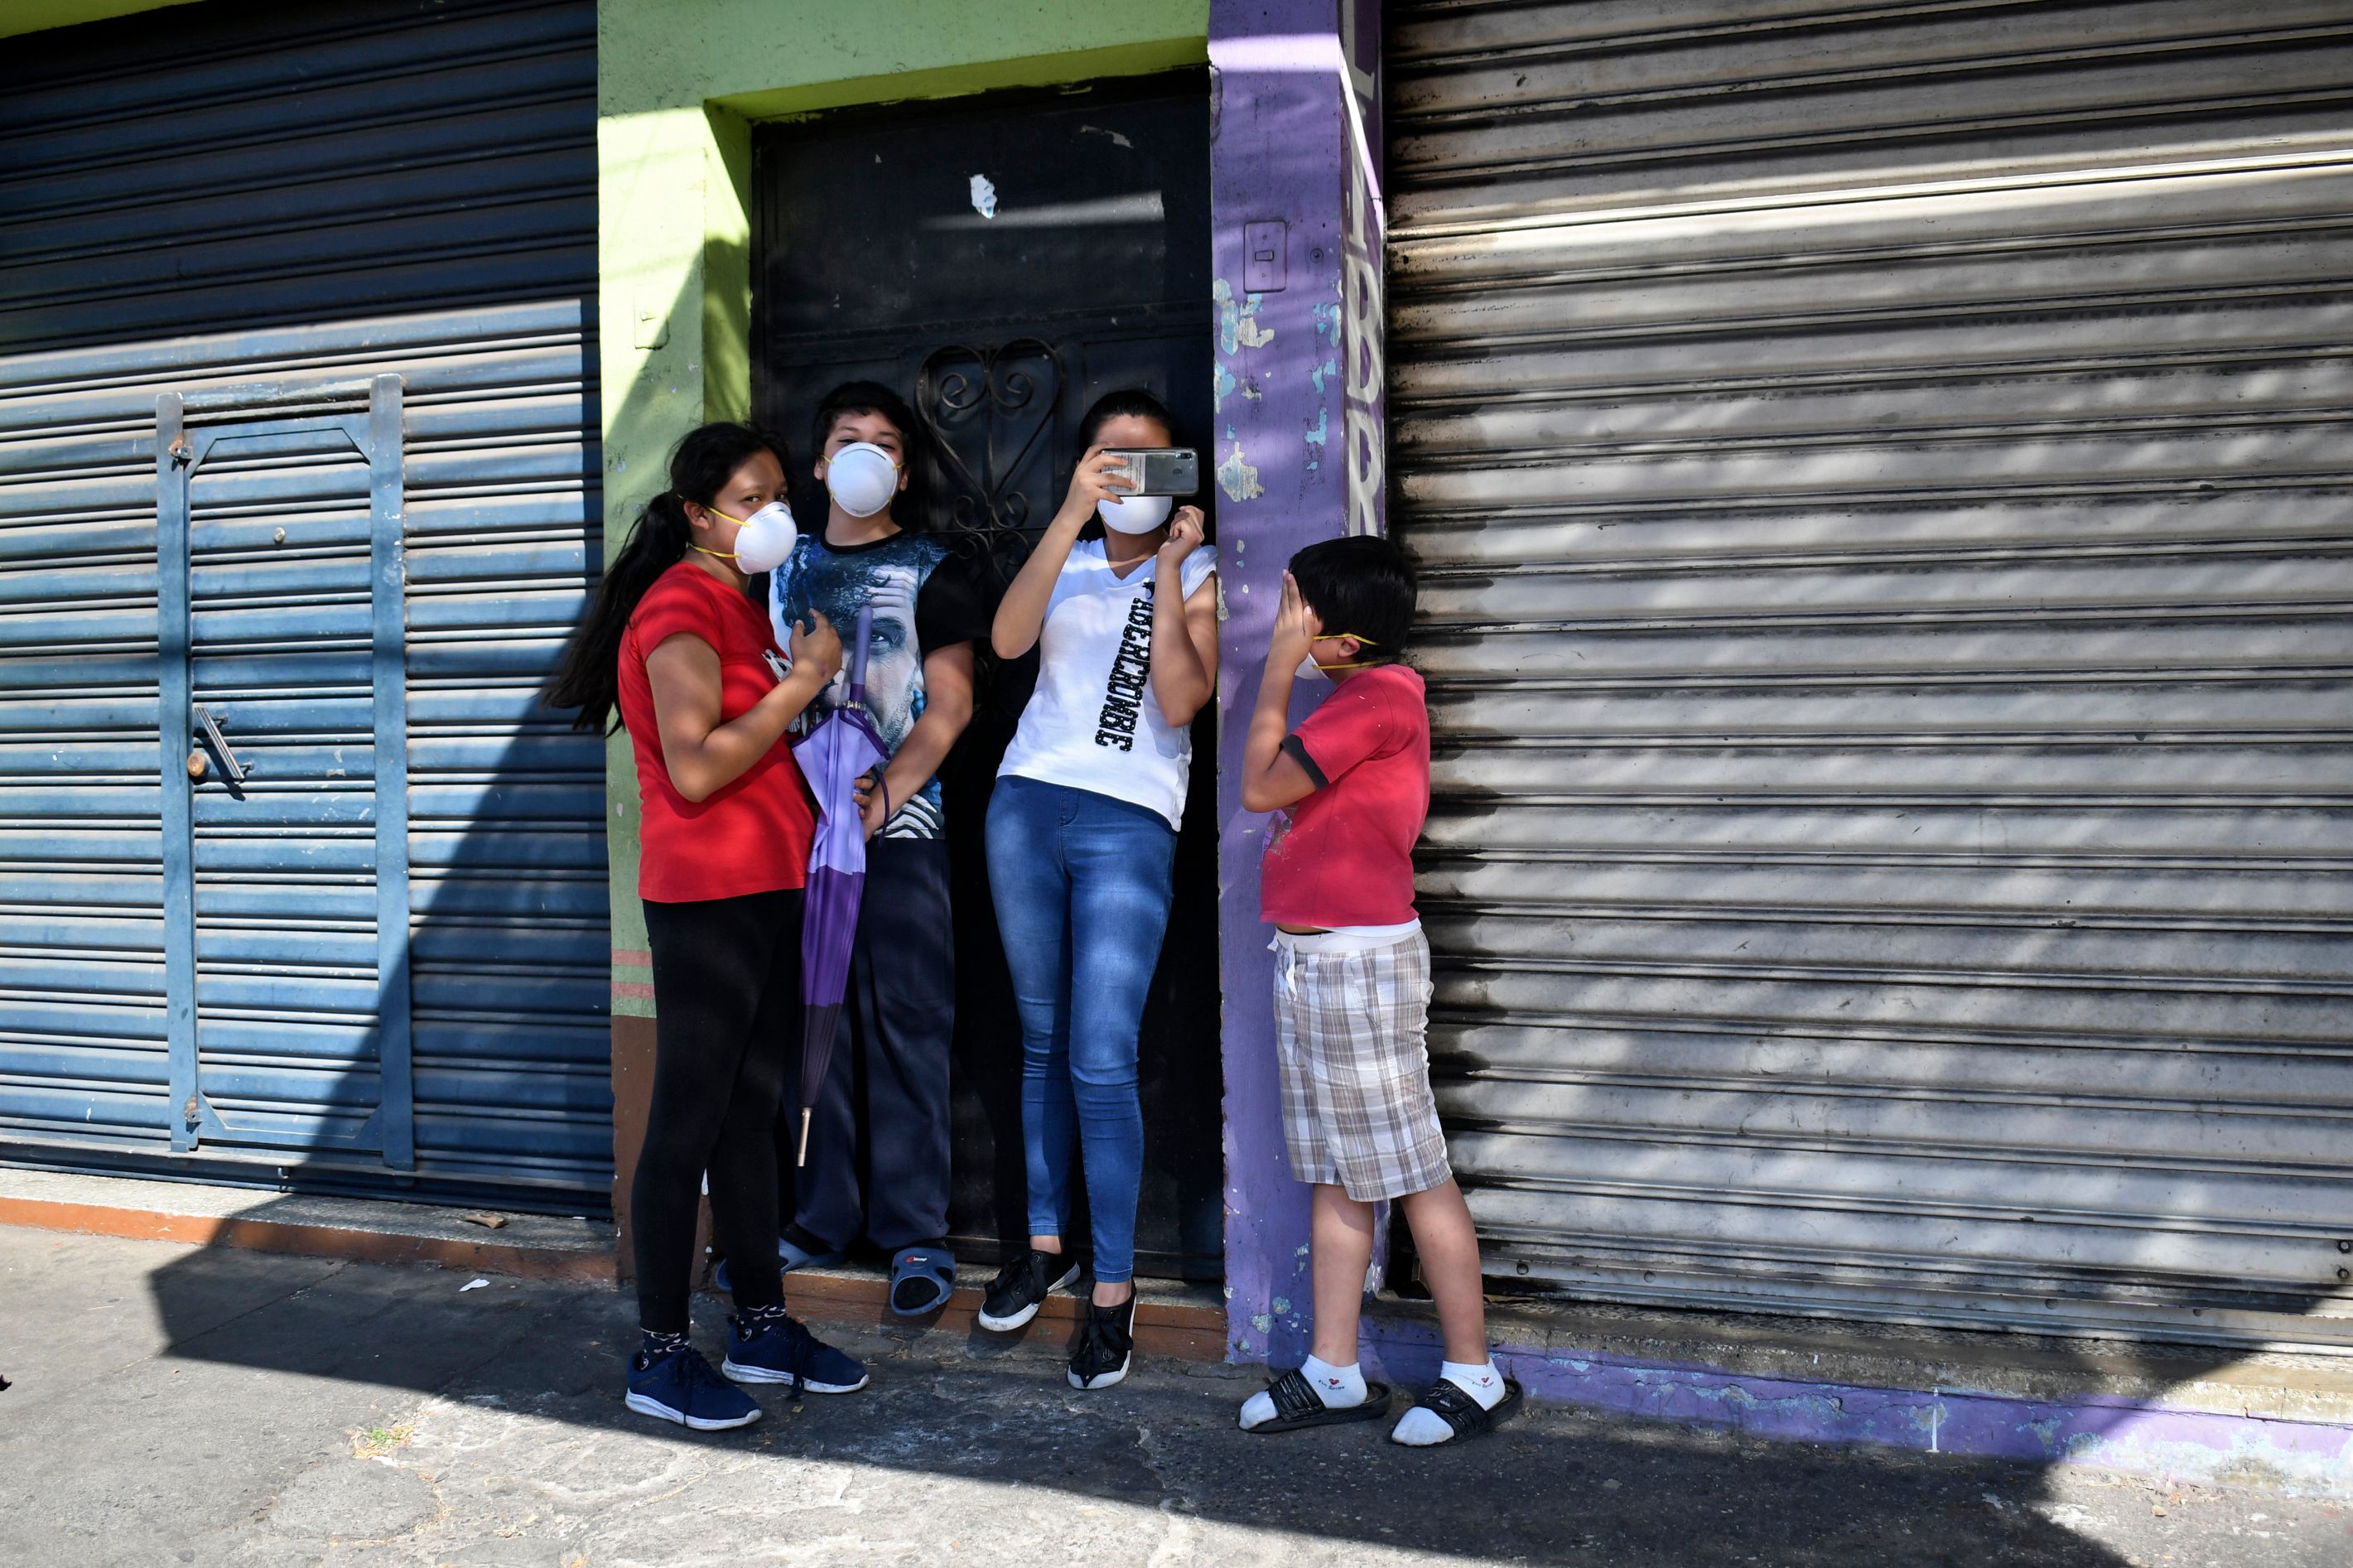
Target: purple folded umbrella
(832,757)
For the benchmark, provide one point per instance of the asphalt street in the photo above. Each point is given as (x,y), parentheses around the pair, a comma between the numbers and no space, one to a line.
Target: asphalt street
(181,1405)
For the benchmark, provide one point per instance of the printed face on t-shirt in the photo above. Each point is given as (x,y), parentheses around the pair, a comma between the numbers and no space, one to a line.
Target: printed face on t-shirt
(889,577)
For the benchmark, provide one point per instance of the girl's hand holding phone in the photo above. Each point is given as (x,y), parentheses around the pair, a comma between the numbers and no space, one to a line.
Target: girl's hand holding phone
(1099,477)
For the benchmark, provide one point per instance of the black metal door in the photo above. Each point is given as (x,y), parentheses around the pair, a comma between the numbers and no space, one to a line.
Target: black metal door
(1002,260)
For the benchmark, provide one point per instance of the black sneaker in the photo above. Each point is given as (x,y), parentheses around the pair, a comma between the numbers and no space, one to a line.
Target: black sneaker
(1021,1287)
(1106,1344)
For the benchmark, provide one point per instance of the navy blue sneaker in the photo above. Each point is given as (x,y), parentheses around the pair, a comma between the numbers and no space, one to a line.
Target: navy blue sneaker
(787,1353)
(682,1387)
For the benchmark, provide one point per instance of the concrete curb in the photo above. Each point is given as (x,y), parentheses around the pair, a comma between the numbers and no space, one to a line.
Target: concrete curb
(521,1246)
(2138,1435)
(308,1240)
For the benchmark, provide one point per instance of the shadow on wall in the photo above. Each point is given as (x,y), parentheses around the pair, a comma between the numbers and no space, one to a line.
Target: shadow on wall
(503,974)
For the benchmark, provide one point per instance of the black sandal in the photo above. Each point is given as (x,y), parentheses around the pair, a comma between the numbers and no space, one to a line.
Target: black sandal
(1297,1406)
(1465,1414)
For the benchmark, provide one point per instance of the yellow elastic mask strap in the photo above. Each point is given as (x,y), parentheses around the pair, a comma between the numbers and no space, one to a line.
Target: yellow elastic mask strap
(723,554)
(1361,643)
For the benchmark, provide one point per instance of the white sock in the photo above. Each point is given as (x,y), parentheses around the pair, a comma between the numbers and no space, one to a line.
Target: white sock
(1425,1428)
(1337,1387)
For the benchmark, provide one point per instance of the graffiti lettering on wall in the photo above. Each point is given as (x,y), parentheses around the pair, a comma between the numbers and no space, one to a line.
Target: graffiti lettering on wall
(1363,357)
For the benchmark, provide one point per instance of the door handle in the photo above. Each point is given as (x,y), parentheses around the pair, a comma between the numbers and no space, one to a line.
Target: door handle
(213,737)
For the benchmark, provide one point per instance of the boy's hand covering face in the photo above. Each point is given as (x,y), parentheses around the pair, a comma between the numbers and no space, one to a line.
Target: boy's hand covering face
(1296,628)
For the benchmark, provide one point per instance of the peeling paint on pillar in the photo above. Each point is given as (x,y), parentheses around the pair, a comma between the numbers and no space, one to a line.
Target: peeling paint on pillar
(1294,138)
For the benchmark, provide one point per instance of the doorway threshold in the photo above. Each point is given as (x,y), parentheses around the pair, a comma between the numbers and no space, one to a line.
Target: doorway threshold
(1173,1320)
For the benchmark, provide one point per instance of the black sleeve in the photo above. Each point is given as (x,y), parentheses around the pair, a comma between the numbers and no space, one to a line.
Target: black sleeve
(956,602)
(1296,749)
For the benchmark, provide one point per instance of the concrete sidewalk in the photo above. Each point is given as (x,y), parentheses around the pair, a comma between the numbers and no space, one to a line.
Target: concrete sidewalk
(180,1404)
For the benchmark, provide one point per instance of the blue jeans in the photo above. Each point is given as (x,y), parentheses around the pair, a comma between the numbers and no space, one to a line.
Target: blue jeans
(1082,887)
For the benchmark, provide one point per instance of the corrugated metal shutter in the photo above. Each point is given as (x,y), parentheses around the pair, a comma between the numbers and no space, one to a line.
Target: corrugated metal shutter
(481,201)
(1880,474)
(233,164)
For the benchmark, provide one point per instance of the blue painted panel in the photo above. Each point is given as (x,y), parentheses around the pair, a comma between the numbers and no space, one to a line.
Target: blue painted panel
(516,1089)
(458,1042)
(132,674)
(76,974)
(173,452)
(107,1021)
(28,847)
(84,1112)
(454,900)
(82,933)
(58,1063)
(50,716)
(289,1035)
(387,574)
(73,891)
(22,759)
(481,219)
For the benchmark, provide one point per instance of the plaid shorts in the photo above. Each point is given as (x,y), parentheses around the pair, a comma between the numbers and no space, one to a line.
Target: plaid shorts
(1349,1023)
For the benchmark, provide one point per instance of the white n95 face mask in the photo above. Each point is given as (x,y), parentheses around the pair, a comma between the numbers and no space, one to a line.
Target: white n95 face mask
(762,540)
(861,478)
(1135,514)
(766,538)
(1309,670)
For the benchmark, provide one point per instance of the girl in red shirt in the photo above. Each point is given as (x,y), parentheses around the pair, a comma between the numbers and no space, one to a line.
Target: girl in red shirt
(674,644)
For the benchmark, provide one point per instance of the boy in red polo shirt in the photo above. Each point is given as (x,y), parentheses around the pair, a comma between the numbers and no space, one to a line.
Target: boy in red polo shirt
(1352,988)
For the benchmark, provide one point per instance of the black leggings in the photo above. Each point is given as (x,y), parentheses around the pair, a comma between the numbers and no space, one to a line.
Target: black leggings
(727,1030)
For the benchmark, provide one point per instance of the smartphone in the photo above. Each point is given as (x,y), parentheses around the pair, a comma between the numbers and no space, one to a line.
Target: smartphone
(1161,470)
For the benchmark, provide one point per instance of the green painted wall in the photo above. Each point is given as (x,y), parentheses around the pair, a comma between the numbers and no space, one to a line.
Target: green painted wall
(679,84)
(39,16)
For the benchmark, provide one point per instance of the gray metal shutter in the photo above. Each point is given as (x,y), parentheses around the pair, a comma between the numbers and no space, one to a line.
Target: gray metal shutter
(1880,477)
(324,904)
(241,164)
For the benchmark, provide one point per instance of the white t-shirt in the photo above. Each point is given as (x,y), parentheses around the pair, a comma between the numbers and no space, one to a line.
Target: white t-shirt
(1091,723)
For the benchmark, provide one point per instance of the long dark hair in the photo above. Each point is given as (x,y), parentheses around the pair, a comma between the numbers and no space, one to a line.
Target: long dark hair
(587,679)
(1128,401)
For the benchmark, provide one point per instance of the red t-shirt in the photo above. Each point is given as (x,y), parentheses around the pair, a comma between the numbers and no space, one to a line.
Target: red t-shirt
(751,836)
(1346,857)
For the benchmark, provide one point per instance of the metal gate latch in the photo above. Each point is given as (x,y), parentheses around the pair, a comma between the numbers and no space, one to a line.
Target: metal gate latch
(213,737)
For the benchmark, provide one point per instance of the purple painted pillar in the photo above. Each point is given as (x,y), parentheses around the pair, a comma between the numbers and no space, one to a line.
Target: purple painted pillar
(1295,165)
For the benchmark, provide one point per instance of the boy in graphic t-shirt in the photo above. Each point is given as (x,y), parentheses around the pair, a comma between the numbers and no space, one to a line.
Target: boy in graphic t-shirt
(1352,988)
(879,1137)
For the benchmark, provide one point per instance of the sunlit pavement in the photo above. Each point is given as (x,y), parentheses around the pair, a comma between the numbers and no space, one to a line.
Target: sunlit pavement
(173,1405)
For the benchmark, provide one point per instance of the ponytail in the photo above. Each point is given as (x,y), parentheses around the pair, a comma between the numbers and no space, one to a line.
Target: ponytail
(588,677)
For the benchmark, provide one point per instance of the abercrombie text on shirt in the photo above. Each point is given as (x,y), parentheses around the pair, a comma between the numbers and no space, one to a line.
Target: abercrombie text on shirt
(1091,722)
(1130,675)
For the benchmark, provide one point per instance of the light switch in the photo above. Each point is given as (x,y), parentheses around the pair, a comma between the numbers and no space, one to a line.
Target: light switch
(1265,247)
